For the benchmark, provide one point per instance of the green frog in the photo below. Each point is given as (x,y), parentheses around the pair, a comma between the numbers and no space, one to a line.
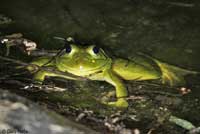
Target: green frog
(93,63)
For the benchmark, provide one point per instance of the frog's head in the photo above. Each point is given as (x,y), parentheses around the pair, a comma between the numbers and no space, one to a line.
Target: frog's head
(82,60)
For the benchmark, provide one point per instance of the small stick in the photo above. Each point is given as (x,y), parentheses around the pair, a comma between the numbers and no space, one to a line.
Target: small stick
(14,61)
(181,4)
(49,69)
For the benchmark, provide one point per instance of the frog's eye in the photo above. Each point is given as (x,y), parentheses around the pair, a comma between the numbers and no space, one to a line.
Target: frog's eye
(68,48)
(95,49)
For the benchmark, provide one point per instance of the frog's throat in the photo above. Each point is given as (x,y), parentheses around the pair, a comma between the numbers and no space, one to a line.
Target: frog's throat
(87,72)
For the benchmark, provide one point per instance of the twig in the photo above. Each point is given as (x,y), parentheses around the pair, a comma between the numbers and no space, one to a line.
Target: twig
(194,131)
(181,122)
(181,4)
(154,84)
(15,82)
(151,130)
(14,61)
(46,88)
(43,53)
(4,20)
(17,39)
(24,86)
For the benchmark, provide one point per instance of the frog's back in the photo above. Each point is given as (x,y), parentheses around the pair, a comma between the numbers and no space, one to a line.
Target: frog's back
(136,69)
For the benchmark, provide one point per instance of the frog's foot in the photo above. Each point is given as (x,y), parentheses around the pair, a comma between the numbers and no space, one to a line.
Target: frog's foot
(171,79)
(120,103)
(173,75)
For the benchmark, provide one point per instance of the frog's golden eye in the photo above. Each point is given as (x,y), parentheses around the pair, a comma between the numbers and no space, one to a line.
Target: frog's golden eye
(95,49)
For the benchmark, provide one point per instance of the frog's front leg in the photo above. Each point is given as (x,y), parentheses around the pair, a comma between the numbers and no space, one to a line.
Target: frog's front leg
(39,76)
(121,91)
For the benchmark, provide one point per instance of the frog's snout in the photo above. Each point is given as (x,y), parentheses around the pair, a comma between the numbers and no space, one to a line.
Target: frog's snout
(81,59)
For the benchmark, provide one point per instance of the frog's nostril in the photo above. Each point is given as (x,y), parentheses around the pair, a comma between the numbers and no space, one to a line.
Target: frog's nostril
(79,61)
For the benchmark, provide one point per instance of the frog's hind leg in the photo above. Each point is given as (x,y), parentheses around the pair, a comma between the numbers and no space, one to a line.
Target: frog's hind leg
(148,68)
(173,75)
(140,69)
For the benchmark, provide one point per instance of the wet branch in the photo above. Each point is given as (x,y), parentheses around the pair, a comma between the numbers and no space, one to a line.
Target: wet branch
(43,68)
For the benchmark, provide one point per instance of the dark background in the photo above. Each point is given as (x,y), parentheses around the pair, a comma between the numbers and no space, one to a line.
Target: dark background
(168,30)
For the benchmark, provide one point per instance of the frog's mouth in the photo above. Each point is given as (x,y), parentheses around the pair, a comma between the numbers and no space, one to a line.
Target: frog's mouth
(81,71)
